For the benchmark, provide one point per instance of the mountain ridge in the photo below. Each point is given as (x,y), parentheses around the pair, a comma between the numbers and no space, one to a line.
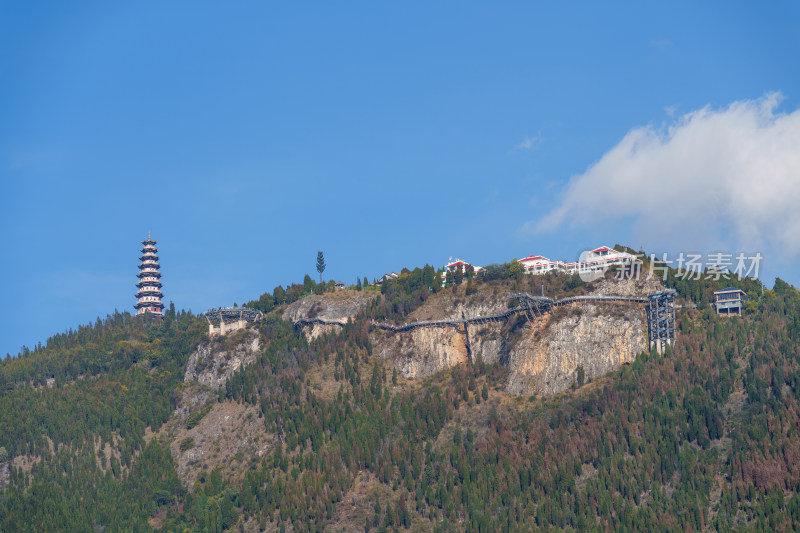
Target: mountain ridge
(347,440)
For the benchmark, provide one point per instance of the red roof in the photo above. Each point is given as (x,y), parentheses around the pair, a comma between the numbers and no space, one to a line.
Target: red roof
(602,249)
(532,257)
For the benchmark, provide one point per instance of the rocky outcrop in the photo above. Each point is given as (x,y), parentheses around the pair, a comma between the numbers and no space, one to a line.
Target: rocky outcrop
(230,436)
(543,357)
(627,287)
(424,351)
(214,361)
(331,305)
(596,339)
(5,474)
(319,330)
(486,342)
(342,305)
(204,434)
(455,304)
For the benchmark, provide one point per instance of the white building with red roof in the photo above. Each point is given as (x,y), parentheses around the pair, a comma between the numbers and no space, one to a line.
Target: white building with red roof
(456,266)
(537,264)
(597,260)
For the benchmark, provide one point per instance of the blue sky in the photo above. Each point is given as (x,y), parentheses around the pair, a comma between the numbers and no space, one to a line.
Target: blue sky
(246,137)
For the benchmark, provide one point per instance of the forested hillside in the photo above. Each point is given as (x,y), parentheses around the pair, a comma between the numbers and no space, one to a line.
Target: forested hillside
(704,436)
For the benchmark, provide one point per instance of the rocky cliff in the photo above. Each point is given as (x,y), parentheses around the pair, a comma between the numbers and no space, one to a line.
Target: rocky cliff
(215,360)
(338,305)
(549,356)
(204,433)
(544,357)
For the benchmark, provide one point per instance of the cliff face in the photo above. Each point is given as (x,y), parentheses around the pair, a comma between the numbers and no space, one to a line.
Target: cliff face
(425,351)
(214,361)
(204,433)
(338,305)
(597,339)
(543,357)
(332,305)
(627,287)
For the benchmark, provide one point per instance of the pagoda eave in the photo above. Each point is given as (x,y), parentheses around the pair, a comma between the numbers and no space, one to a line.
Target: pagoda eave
(149,295)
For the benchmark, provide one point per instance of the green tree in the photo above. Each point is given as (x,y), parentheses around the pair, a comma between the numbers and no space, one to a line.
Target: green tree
(515,269)
(279,294)
(308,284)
(320,264)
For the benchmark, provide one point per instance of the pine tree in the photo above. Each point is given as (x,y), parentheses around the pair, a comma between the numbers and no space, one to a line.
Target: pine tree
(320,264)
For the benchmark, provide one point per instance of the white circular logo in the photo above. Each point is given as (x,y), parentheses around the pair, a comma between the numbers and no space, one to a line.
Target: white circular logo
(591,267)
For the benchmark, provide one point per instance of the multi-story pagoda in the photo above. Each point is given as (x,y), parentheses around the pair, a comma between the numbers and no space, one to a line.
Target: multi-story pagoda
(149,294)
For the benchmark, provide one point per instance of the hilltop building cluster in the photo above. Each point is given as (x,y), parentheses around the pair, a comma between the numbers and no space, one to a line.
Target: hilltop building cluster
(149,296)
(597,260)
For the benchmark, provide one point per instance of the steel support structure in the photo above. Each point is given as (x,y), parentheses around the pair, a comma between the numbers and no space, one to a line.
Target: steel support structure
(661,319)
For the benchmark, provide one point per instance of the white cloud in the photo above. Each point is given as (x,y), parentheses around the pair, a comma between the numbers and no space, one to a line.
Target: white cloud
(529,142)
(728,177)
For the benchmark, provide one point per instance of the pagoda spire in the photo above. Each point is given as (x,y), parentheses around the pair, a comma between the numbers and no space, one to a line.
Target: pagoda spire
(148,298)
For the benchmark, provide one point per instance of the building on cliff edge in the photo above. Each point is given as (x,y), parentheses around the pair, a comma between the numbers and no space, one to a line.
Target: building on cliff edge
(224,320)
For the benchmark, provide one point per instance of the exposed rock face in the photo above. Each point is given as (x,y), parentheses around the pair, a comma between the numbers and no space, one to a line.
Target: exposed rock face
(628,287)
(424,351)
(5,475)
(193,397)
(331,305)
(213,362)
(319,330)
(228,434)
(598,339)
(457,304)
(338,305)
(486,342)
(542,357)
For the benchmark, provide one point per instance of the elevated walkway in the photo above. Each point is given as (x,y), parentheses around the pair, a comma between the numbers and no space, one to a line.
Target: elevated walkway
(660,310)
